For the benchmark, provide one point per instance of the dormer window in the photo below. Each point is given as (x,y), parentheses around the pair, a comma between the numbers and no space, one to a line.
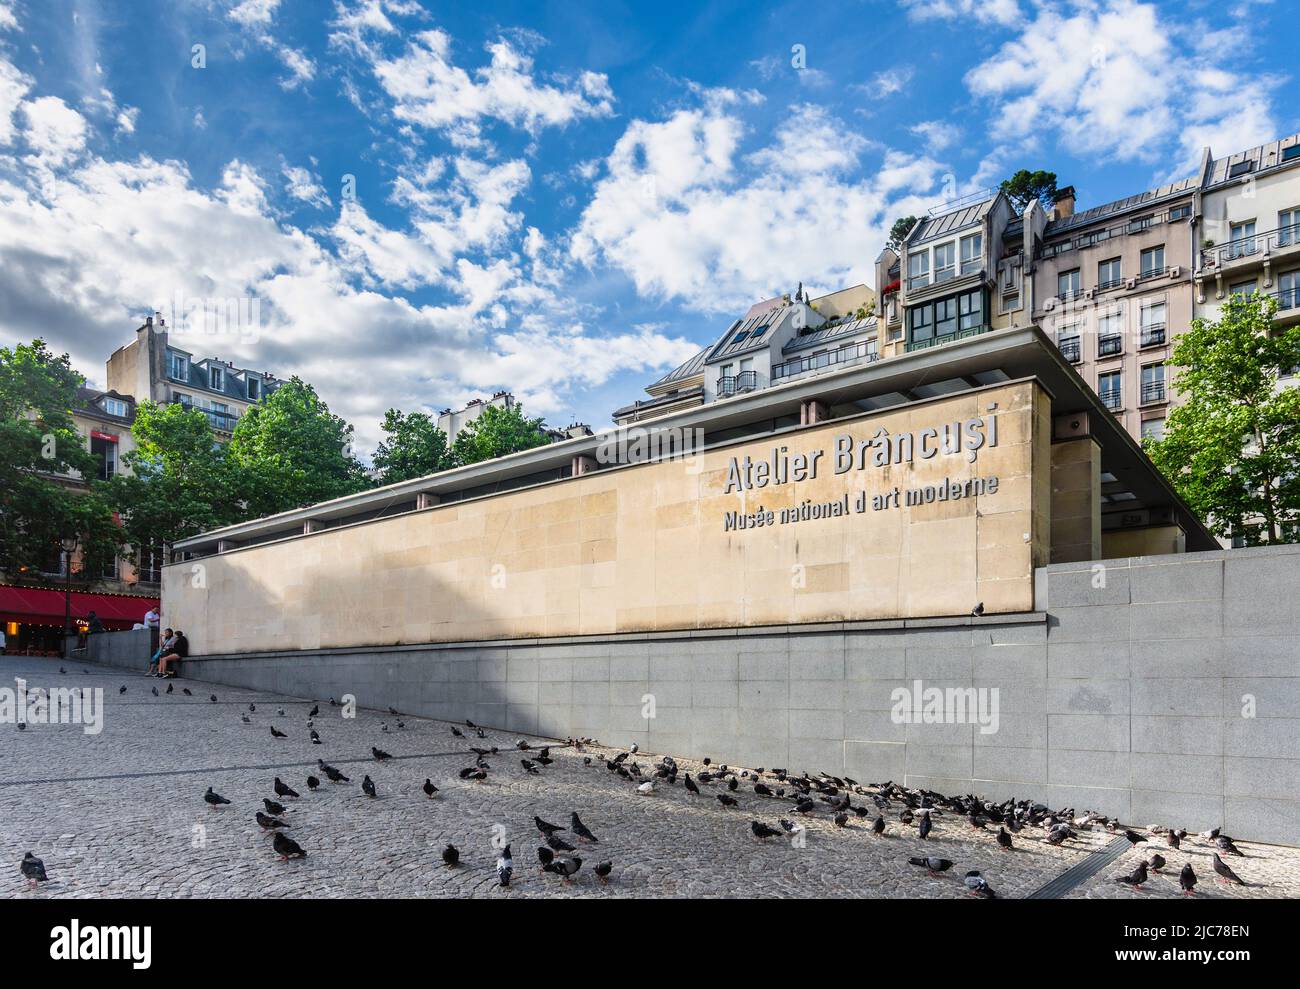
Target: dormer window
(217,378)
(115,407)
(1241,168)
(254,389)
(178,367)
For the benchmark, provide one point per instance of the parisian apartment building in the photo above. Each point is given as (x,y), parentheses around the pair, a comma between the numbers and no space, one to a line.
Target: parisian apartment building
(1112,285)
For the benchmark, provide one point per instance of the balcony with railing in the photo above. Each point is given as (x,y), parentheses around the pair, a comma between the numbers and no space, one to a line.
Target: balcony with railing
(1112,398)
(863,351)
(1153,392)
(1152,335)
(222,421)
(1070,349)
(939,341)
(1242,252)
(1109,346)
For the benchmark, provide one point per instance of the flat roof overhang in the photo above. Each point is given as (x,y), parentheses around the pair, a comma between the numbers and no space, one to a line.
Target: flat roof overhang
(989,358)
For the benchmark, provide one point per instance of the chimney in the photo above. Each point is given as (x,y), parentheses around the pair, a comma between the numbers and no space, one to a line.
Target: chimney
(1063,203)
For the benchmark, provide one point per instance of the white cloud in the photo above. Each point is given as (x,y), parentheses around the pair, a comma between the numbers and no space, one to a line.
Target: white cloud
(254,13)
(55,132)
(1116,80)
(8,19)
(689,218)
(1004,12)
(304,185)
(14,85)
(126,118)
(256,17)
(887,82)
(432,92)
(937,134)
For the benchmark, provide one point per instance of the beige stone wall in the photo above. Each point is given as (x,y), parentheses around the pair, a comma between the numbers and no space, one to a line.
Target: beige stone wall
(644,547)
(1155,540)
(1076,500)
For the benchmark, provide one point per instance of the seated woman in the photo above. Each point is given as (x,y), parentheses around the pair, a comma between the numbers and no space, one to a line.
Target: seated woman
(164,647)
(180,648)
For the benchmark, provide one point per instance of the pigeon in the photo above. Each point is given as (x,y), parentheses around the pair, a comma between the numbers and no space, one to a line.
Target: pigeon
(286,847)
(379,754)
(451,856)
(242,717)
(315,710)
(1172,839)
(762,790)
(312,782)
(1136,878)
(1004,839)
(252,708)
(1226,875)
(392,710)
(1209,835)
(273,808)
(603,870)
(977,610)
(283,790)
(691,785)
(878,825)
(649,787)
(429,788)
(1187,880)
(333,775)
(559,844)
(276,733)
(505,867)
(545,855)
(315,737)
(368,787)
(979,886)
(187,692)
(1133,837)
(545,828)
(213,698)
(280,711)
(727,800)
(762,830)
(121,689)
(154,691)
(566,868)
(269,823)
(1225,844)
(580,829)
(214,799)
(34,869)
(530,768)
(1156,862)
(841,820)
(171,687)
(931,864)
(457,732)
(923,831)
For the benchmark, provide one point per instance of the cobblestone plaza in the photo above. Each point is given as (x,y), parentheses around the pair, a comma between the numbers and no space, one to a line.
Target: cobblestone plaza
(121,813)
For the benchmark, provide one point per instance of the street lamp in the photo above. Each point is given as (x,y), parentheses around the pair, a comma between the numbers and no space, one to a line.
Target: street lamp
(69,546)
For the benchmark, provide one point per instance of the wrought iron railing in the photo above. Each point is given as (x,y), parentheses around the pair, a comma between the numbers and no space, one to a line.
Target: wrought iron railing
(866,350)
(1153,391)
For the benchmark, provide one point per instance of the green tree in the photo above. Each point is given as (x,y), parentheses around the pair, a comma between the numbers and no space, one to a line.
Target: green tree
(413,447)
(1232,448)
(496,432)
(900,230)
(1026,186)
(180,482)
(41,458)
(290,451)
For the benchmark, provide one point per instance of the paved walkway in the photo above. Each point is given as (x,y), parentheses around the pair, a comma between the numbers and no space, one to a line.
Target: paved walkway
(121,814)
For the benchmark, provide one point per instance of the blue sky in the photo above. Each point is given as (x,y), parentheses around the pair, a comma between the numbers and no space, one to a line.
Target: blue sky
(419,202)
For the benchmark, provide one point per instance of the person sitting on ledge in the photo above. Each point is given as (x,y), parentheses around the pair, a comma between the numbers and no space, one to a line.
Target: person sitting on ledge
(168,638)
(180,648)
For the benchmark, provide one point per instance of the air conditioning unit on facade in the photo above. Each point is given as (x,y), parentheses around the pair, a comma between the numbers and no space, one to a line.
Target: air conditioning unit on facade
(1175,271)
(1131,283)
(1088,293)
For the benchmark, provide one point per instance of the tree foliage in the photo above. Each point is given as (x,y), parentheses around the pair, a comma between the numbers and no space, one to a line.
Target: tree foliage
(290,450)
(1232,448)
(413,446)
(41,457)
(497,432)
(1026,186)
(900,230)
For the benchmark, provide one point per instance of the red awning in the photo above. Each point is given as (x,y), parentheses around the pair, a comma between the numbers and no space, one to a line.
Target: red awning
(44,606)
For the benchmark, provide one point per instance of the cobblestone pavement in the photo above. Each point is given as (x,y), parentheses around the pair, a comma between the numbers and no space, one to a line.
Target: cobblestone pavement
(122,814)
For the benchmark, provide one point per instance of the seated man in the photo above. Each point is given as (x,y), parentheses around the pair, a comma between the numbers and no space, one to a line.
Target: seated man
(163,648)
(180,648)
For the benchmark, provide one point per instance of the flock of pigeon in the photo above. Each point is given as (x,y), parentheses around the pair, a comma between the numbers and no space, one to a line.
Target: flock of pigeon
(891,808)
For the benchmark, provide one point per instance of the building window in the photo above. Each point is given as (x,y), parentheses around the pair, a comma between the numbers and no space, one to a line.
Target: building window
(105,451)
(971,312)
(1110,334)
(110,571)
(1241,168)
(1241,239)
(921,323)
(972,253)
(115,407)
(1153,261)
(1154,324)
(1288,295)
(1291,153)
(945,266)
(918,269)
(1110,387)
(254,389)
(1068,284)
(178,367)
(945,317)
(1153,429)
(1010,302)
(1244,289)
(1180,212)
(216,379)
(1067,341)
(1288,227)
(1153,383)
(1109,273)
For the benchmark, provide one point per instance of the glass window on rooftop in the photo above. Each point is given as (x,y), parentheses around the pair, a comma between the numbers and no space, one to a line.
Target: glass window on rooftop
(918,269)
(945,266)
(972,253)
